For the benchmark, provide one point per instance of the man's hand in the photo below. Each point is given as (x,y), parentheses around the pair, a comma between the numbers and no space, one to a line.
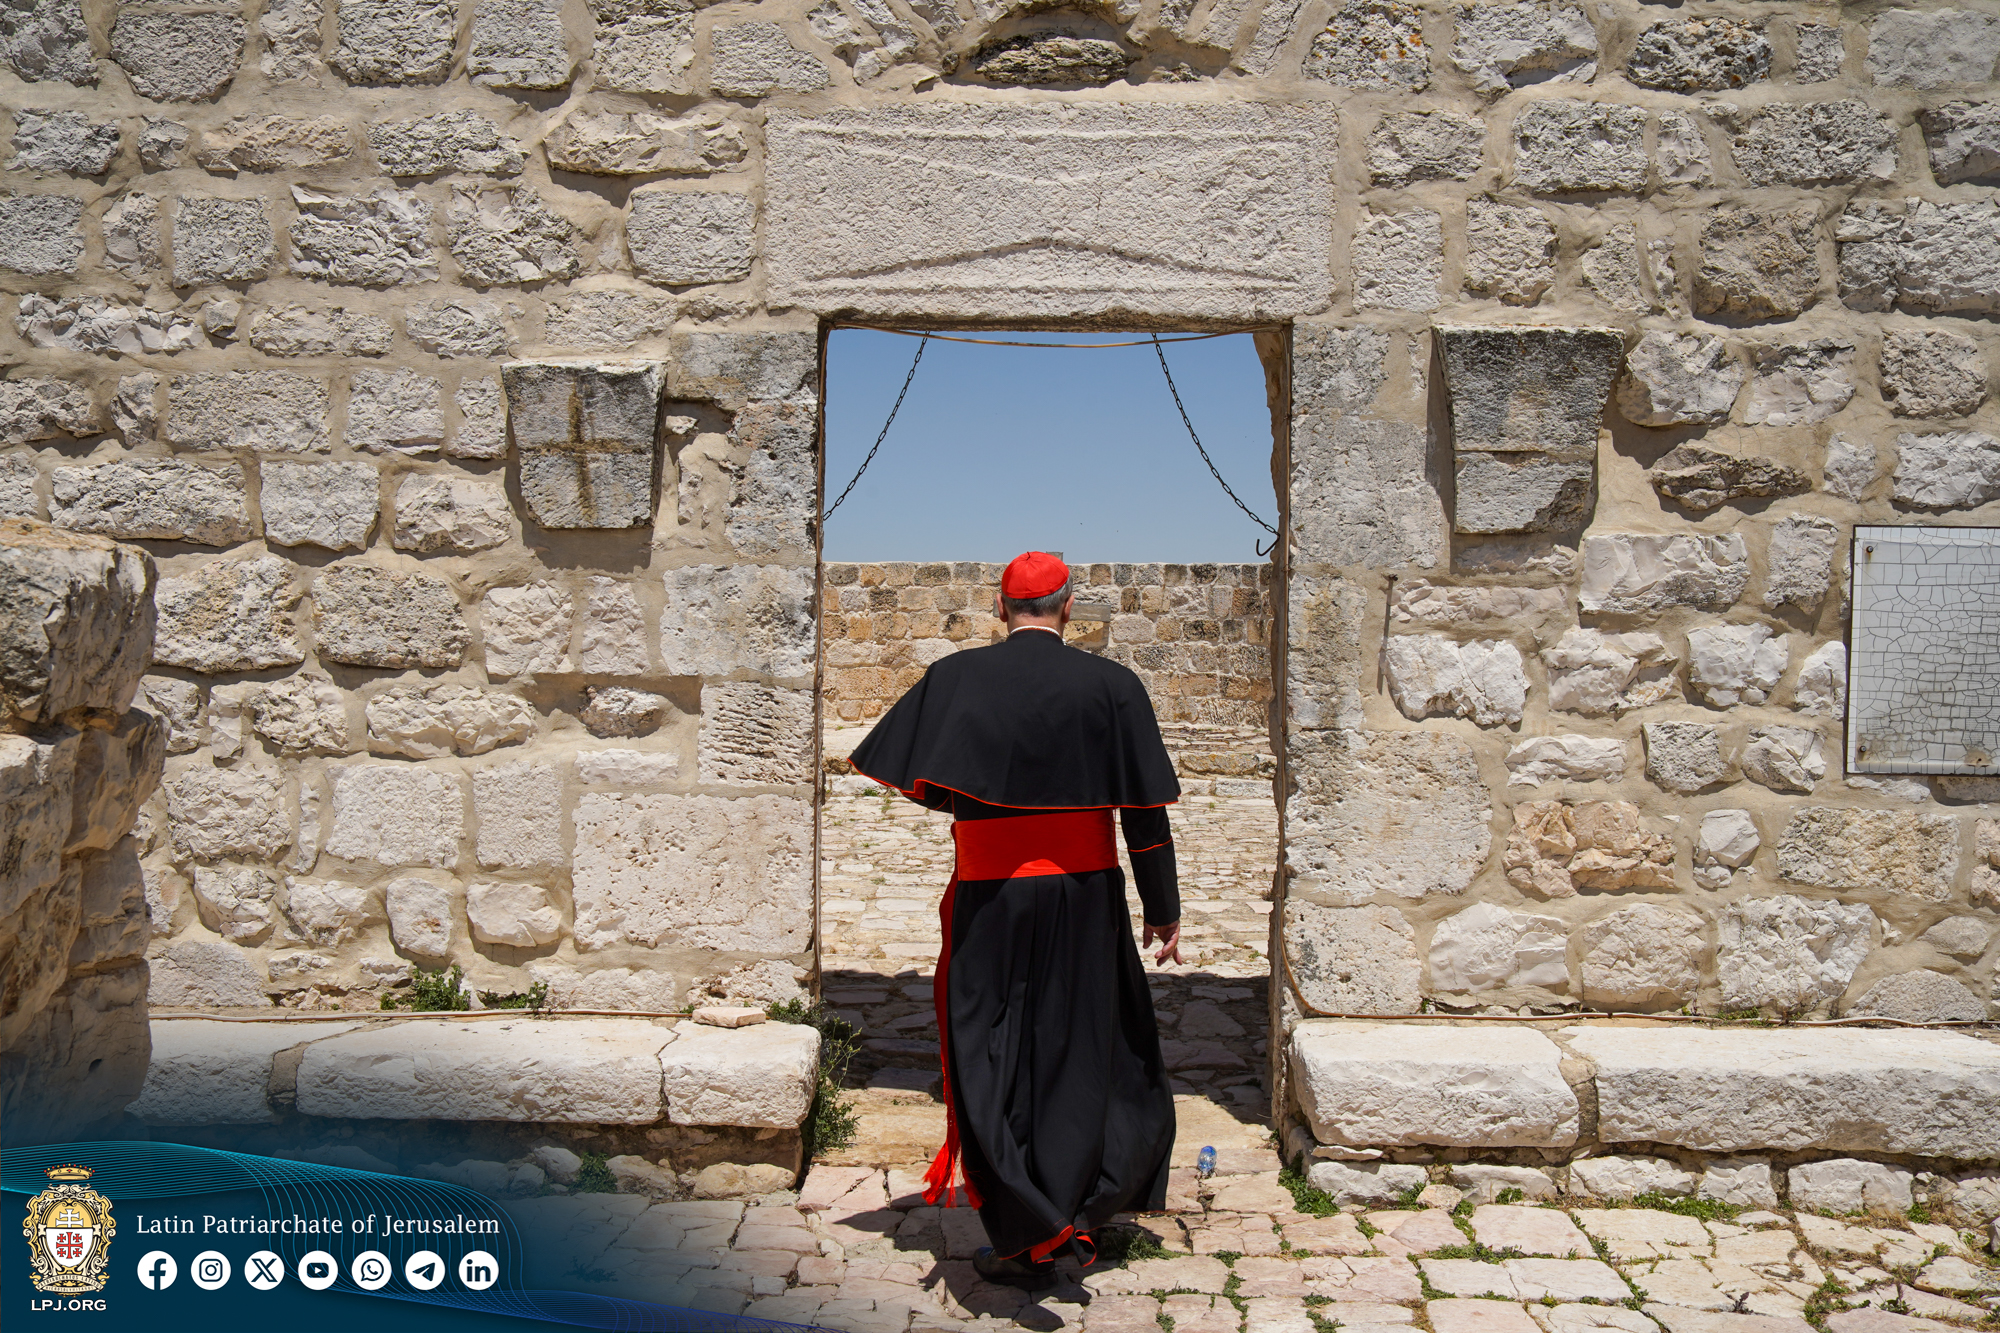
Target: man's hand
(1169,937)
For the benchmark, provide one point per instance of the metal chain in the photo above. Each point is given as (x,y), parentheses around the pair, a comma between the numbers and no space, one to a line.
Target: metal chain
(1175,391)
(921,345)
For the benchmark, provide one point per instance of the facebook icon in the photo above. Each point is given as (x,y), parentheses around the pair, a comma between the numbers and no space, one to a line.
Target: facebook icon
(158,1270)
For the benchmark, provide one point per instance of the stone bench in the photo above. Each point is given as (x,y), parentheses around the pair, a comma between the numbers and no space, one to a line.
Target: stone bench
(597,1071)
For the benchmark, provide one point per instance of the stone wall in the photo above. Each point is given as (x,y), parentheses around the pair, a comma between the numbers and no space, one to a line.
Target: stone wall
(1196,635)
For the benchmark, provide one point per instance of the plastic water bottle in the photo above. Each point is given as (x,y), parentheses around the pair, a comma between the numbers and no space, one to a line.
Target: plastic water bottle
(1204,1164)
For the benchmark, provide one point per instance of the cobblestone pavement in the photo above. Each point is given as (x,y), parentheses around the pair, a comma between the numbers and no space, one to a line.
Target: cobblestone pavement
(856,1250)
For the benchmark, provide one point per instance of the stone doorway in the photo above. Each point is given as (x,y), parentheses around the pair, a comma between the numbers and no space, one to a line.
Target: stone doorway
(883,862)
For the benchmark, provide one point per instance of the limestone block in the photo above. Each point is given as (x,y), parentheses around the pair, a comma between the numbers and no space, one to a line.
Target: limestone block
(395,41)
(754,733)
(1566,758)
(1611,271)
(18,473)
(586,434)
(161,498)
(228,719)
(1740,1181)
(643,47)
(520,825)
(1685,757)
(519,44)
(420,917)
(717,619)
(235,901)
(1017,210)
(526,629)
(610,143)
(37,409)
(1510,252)
(1680,152)
(329,913)
(1800,563)
(296,330)
(213,813)
(1426,603)
(161,142)
(1708,55)
(92,324)
(1962,937)
(758,59)
(439,512)
(47,39)
(503,236)
(706,872)
(1800,382)
(1521,492)
(203,1072)
(1404,813)
(302,714)
(1372,44)
(40,234)
(613,641)
(1927,50)
(1628,1177)
(1555,849)
(203,974)
(626,768)
(1931,257)
(761,1076)
(1431,676)
(1963,139)
(1036,59)
(1958,469)
(229,615)
(319,504)
(1816,143)
(1636,573)
(76,622)
(270,411)
(1758,263)
(1921,997)
(132,235)
(457,328)
(1727,841)
(1821,688)
(1487,947)
(396,815)
(372,240)
(1398,260)
(459,142)
(646,988)
(1507,46)
(274,143)
(1732,664)
(430,722)
(1835,848)
(1790,954)
(1931,373)
(366,616)
(482,420)
(1701,478)
(49,140)
(1365,1182)
(1563,146)
(1677,379)
(579,1071)
(1528,388)
(609,321)
(1411,146)
(516,914)
(221,240)
(679,237)
(1354,960)
(1784,758)
(174,56)
(116,771)
(1644,957)
(177,703)
(291,33)
(616,710)
(735,369)
(1373,1084)
(773,491)
(1844,1185)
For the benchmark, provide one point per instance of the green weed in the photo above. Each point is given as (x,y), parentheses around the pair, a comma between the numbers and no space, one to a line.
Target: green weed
(1306,1197)
(1708,1210)
(594,1177)
(1511,1195)
(535,998)
(831,1123)
(431,992)
(1119,1246)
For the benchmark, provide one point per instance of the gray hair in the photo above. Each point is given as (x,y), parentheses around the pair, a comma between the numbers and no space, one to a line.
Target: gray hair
(1037,606)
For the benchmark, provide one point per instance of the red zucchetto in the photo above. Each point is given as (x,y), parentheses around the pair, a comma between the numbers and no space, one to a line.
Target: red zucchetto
(1033,574)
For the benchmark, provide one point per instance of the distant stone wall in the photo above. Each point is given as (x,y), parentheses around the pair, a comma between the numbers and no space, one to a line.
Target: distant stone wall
(1197,635)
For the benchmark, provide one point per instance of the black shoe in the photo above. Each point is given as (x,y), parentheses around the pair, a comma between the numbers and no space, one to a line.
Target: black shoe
(1013,1272)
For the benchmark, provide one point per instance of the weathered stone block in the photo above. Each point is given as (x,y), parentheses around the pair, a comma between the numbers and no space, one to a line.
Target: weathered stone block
(1816,143)
(1784,758)
(93,324)
(235,901)
(1599,674)
(1372,44)
(1643,957)
(1039,59)
(430,722)
(1958,469)
(291,33)
(1929,50)
(1556,848)
(758,59)
(177,703)
(1530,389)
(1685,757)
(1790,954)
(214,813)
(457,141)
(588,1071)
(761,1076)
(1940,258)
(1799,568)
(48,39)
(1800,383)
(503,236)
(47,140)
(319,504)
(482,420)
(1679,379)
(297,330)
(1681,157)
(1702,478)
(42,409)
(166,499)
(367,616)
(586,434)
(1627,573)
(517,914)
(617,711)
(774,492)
(302,714)
(394,411)
(396,815)
(1352,960)
(373,240)
(1839,1089)
(706,872)
(229,615)
(269,411)
(1562,146)
(679,237)
(755,734)
(204,974)
(1963,139)
(519,825)
(1398,260)
(613,638)
(1845,1185)
(440,512)
(519,44)
(1487,947)
(1521,492)
(1733,664)
(610,143)
(76,622)
(221,240)
(734,369)
(1018,210)
(1377,1084)
(421,917)
(40,234)
(1404,813)
(395,41)
(1510,252)
(1836,848)
(1425,145)
(274,143)
(204,1072)
(174,56)
(1758,263)
(329,913)
(645,46)
(1508,46)
(1540,759)
(458,328)
(1931,373)
(717,619)
(526,629)
(18,473)
(1706,55)
(1431,675)
(1921,997)
(132,235)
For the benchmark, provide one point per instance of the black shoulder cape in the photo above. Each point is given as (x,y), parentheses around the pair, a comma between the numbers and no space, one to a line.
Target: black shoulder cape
(1029,722)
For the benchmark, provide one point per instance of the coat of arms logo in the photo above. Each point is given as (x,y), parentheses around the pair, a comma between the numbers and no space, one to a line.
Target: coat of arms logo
(69,1231)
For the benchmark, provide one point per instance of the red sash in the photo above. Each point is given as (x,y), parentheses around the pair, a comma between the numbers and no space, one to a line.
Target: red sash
(1065,842)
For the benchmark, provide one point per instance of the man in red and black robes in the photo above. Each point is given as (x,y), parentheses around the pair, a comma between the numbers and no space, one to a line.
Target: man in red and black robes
(1057,1102)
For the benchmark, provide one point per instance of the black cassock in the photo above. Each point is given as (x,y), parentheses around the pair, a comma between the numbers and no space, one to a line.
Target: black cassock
(1057,1098)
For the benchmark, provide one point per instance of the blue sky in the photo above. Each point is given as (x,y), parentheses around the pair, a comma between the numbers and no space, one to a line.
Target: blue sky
(1003,449)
